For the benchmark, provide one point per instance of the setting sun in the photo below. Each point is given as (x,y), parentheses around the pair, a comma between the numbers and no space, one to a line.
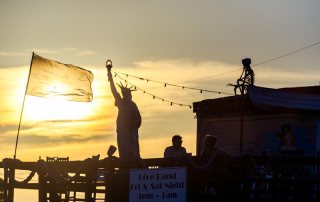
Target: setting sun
(60,97)
(37,108)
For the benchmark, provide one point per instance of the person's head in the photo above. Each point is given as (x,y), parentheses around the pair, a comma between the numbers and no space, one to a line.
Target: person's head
(176,141)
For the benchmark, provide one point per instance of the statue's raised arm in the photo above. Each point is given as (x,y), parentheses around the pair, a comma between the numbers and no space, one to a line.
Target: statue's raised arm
(114,91)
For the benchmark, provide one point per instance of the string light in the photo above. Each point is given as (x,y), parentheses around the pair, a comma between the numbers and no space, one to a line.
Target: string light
(175,85)
(154,96)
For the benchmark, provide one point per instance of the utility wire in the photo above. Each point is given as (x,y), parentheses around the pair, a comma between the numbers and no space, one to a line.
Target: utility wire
(286,54)
(216,75)
(260,63)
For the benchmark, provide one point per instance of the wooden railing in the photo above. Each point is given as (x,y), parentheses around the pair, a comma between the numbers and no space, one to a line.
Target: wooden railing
(237,178)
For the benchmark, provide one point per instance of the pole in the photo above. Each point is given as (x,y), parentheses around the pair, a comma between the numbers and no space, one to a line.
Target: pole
(241,121)
(241,131)
(22,108)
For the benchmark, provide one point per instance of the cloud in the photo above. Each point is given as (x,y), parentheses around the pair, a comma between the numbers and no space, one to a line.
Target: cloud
(43,51)
(7,128)
(13,54)
(55,140)
(75,51)
(79,52)
(85,53)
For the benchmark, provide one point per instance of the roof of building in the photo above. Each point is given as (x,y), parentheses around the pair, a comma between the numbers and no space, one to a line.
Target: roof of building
(231,105)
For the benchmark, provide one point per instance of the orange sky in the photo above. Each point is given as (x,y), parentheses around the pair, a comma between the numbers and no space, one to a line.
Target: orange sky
(181,42)
(55,127)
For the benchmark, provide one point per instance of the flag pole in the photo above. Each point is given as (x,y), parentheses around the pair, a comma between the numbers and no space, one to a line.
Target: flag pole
(22,108)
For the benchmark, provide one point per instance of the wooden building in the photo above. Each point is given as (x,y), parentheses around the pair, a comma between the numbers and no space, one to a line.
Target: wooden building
(250,123)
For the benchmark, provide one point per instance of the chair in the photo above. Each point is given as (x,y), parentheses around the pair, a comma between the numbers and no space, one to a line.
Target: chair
(84,185)
(55,181)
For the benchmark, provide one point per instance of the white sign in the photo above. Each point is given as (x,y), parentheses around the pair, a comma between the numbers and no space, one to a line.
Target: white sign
(165,185)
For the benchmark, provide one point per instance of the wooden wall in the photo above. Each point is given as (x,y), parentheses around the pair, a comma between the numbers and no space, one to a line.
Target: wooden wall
(259,132)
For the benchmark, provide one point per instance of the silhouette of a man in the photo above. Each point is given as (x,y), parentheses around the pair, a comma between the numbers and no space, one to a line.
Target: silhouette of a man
(128,122)
(176,150)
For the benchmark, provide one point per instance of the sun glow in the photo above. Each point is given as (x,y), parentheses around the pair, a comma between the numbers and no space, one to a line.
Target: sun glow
(37,108)
(57,87)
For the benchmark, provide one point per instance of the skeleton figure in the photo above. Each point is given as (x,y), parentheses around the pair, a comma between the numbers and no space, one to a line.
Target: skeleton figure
(247,77)
(128,121)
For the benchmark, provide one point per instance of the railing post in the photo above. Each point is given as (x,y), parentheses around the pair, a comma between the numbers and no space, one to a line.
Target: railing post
(11,185)
(5,185)
(1,190)
(109,179)
(88,186)
(42,189)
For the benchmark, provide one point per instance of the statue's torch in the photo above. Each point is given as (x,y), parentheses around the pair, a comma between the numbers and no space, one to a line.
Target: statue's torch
(109,66)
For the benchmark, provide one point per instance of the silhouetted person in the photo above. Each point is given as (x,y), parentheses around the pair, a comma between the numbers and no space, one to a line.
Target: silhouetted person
(209,147)
(247,77)
(176,150)
(128,121)
(287,138)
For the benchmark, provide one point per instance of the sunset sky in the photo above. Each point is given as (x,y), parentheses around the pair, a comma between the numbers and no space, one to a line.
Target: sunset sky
(190,43)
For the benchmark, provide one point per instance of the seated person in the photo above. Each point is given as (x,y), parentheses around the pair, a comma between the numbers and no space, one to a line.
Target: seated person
(176,150)
(209,147)
(211,153)
(287,139)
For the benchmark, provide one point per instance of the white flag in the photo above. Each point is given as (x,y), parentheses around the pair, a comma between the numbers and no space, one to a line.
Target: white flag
(53,79)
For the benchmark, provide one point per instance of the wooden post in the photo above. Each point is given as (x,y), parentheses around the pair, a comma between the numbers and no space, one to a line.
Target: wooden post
(199,134)
(1,190)
(242,110)
(108,184)
(5,184)
(241,130)
(87,185)
(11,185)
(42,189)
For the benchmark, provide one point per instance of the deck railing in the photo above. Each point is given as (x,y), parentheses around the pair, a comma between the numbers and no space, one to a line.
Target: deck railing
(236,178)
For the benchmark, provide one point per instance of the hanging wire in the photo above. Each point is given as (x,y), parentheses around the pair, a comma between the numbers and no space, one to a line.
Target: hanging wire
(228,72)
(286,54)
(152,95)
(256,64)
(165,84)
